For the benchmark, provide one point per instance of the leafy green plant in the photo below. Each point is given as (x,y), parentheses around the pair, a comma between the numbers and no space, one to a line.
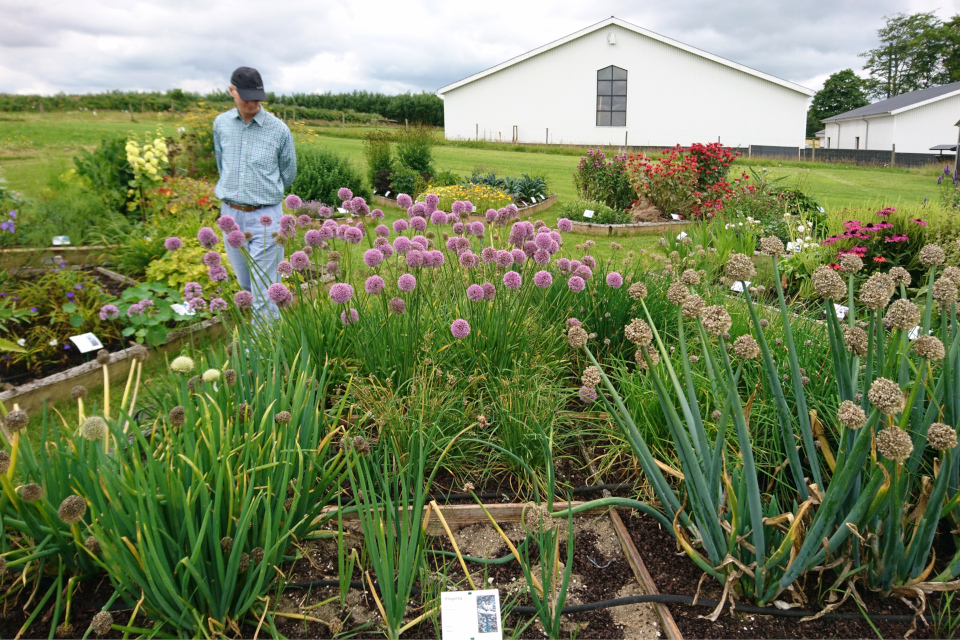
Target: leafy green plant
(153,322)
(404,180)
(415,148)
(607,181)
(378,150)
(106,171)
(320,173)
(176,268)
(602,214)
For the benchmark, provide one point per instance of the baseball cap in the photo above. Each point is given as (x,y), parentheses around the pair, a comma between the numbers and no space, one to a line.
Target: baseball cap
(248,83)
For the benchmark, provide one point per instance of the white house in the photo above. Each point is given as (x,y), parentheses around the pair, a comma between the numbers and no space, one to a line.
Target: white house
(914,121)
(619,84)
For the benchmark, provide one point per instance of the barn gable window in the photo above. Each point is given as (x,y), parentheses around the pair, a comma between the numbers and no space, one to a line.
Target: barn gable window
(612,97)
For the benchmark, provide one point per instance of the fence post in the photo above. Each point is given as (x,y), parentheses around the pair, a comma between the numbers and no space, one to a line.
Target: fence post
(893,155)
(477,135)
(626,135)
(41,107)
(129,108)
(406,124)
(548,135)
(749,150)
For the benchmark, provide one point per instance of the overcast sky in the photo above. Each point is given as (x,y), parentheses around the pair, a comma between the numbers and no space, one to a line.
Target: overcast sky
(48,46)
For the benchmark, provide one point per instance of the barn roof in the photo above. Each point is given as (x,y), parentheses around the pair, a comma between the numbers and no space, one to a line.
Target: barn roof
(900,103)
(613,20)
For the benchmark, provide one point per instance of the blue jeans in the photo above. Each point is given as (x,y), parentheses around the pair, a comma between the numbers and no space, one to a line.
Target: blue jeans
(265,254)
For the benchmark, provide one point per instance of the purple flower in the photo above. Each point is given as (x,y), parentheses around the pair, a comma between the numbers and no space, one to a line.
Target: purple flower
(218,273)
(374,285)
(353,235)
(404,201)
(458,228)
(400,225)
(304,220)
(519,257)
(341,293)
(192,290)
(293,201)
(418,223)
(564,225)
(107,312)
(511,280)
(491,215)
(407,283)
(280,295)
(397,306)
(543,279)
(325,212)
(475,293)
(489,291)
(541,257)
(614,280)
(468,259)
(587,395)
(226,223)
(287,221)
(207,237)
(401,245)
(573,322)
(236,239)
(70,294)
(299,260)
(584,272)
(576,284)
(243,299)
(438,258)
(543,241)
(438,218)
(284,268)
(313,238)
(563,265)
(266,220)
(359,205)
(414,258)
(172,244)
(376,214)
(460,329)
(217,305)
(432,200)
(418,209)
(488,254)
(211,259)
(386,250)
(344,194)
(134,310)
(372,258)
(589,261)
(351,319)
(459,207)
(382,230)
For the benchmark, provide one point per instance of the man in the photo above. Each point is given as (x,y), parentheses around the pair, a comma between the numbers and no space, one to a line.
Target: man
(257,163)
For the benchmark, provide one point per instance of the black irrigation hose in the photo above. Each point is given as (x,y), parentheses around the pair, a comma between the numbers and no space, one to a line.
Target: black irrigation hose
(488,561)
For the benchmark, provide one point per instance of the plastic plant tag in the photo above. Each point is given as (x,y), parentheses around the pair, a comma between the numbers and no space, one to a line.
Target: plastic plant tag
(675,216)
(341,210)
(470,615)
(386,195)
(86,342)
(182,309)
(681,235)
(841,311)
(588,213)
(60,241)
(739,285)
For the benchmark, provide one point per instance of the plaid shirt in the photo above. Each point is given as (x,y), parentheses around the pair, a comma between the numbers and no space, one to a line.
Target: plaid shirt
(257,162)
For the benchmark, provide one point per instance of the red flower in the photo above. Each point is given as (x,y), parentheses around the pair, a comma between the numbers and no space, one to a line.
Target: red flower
(879,259)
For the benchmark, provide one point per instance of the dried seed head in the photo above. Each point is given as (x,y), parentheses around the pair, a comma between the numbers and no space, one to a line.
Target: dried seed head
(886,396)
(715,415)
(102,623)
(577,336)
(257,555)
(677,292)
(945,292)
(894,443)
(230,377)
(468,487)
(3,565)
(244,563)
(103,357)
(771,246)
(282,417)
(851,263)
(192,383)
(4,462)
(716,320)
(693,306)
(877,291)
(535,518)
(638,332)
(591,376)
(851,415)
(641,361)
(764,323)
(952,274)
(92,545)
(690,278)
(31,492)
(287,504)
(361,445)
(929,347)
(740,268)
(941,436)
(94,428)
(932,255)
(226,544)
(72,509)
(79,392)
(177,416)
(16,420)
(139,352)
(856,340)
(64,631)
(903,314)
(746,347)
(182,364)
(900,276)
(211,375)
(828,284)
(244,412)
(637,291)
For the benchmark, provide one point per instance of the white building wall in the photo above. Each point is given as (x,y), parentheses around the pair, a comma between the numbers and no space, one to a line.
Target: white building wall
(673,97)
(924,127)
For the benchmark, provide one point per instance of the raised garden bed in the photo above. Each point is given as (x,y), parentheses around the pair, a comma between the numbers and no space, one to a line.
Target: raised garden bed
(48,256)
(522,211)
(632,228)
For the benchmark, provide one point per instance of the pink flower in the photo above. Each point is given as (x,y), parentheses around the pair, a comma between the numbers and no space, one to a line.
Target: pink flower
(576,284)
(293,201)
(404,201)
(564,225)
(218,273)
(397,306)
(211,259)
(192,290)
(512,280)
(266,220)
(382,231)
(374,285)
(475,293)
(418,223)
(299,260)
(109,312)
(407,283)
(587,395)
(414,258)
(285,268)
(614,280)
(351,319)
(543,279)
(540,256)
(280,295)
(172,244)
(236,239)
(243,299)
(341,293)
(227,224)
(304,220)
(344,194)
(207,237)
(504,258)
(460,329)
(376,214)
(217,305)
(489,291)
(313,238)
(372,258)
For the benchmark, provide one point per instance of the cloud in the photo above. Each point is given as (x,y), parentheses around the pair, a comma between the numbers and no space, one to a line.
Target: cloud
(302,46)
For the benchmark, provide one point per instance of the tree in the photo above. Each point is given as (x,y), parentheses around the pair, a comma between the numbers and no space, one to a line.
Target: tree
(910,56)
(951,59)
(841,92)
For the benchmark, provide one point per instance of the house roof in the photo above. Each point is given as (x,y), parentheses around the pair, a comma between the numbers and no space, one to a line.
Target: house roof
(613,20)
(901,103)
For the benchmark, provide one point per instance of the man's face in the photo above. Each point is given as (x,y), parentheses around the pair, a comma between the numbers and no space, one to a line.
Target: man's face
(247,108)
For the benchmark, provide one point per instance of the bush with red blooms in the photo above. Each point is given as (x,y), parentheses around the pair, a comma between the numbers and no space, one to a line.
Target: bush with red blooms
(690,181)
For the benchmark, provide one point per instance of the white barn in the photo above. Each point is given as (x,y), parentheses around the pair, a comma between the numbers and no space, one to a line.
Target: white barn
(618,84)
(914,122)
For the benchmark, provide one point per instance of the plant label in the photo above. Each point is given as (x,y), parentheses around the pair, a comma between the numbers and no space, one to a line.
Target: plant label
(681,235)
(374,192)
(182,309)
(386,195)
(86,342)
(739,286)
(915,333)
(470,615)
(841,311)
(60,241)
(588,213)
(341,210)
(675,216)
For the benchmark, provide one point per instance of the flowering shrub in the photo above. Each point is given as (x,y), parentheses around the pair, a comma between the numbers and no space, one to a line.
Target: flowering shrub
(149,163)
(482,196)
(606,181)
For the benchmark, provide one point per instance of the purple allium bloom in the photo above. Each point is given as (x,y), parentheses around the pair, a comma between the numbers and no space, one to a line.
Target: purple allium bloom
(280,295)
(326,232)
(574,265)
(573,322)
(211,259)
(584,272)
(404,201)
(372,258)
(293,201)
(192,290)
(401,245)
(438,218)
(432,200)
(489,291)
(491,215)
(614,280)
(197,304)
(452,218)
(359,205)
(564,225)
(458,228)
(563,265)
(418,209)
(478,229)
(207,237)
(287,221)
(134,310)
(519,257)
(226,223)
(460,329)
(332,268)
(543,279)
(418,223)
(452,244)
(541,257)
(243,299)
(543,241)
(217,305)
(299,260)
(407,283)
(344,194)
(530,248)
(468,259)
(399,226)
(376,214)
(489,254)
(386,250)
(438,258)
(351,319)
(284,268)
(590,262)
(475,293)
(341,293)
(374,285)
(414,258)
(382,230)
(424,243)
(303,220)
(353,235)
(236,239)
(587,394)
(266,220)
(218,273)
(504,258)
(313,238)
(576,284)
(108,312)
(325,212)
(428,260)
(397,306)
(511,280)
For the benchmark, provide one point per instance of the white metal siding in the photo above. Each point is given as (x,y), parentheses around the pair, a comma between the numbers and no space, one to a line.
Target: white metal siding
(924,127)
(673,97)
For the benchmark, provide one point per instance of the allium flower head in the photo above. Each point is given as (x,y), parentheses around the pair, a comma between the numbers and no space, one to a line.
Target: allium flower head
(350,319)
(344,194)
(382,231)
(406,283)
(576,284)
(692,306)
(637,291)
(374,285)
(564,225)
(438,218)
(591,376)
(303,220)
(182,364)
(475,292)
(102,623)
(227,224)
(577,336)
(677,293)
(177,416)
(850,263)
(746,347)
(941,436)
(639,332)
(949,273)
(293,201)
(468,259)
(31,492)
(207,237)
(944,291)
(404,201)
(894,443)
(543,279)
(243,299)
(78,392)
(372,258)
(690,277)
(93,428)
(856,340)
(511,280)
(519,257)
(640,357)
(900,276)
(902,314)
(418,224)
(397,306)
(614,280)
(284,268)
(460,329)
(771,246)
(211,259)
(886,396)
(876,292)
(72,510)
(341,293)
(740,268)
(931,256)
(929,347)
(541,257)
(503,258)
(211,375)
(172,244)
(489,291)
(588,395)
(828,284)
(236,239)
(716,320)
(299,260)
(280,295)
(109,312)
(590,261)
(488,254)
(851,415)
